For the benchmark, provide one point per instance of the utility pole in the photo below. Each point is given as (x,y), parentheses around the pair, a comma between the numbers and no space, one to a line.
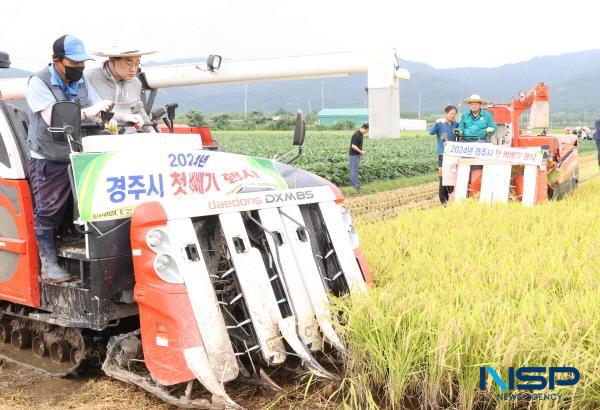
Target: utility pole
(419,104)
(309,108)
(245,100)
(322,94)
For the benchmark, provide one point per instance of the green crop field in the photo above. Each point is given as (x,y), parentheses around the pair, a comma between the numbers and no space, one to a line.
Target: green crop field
(326,152)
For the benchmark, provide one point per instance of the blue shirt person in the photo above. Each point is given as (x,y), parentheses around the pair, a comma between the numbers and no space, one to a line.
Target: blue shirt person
(41,99)
(61,80)
(477,124)
(444,130)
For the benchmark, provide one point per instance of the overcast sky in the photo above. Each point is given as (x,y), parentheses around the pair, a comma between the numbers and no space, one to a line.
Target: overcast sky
(441,33)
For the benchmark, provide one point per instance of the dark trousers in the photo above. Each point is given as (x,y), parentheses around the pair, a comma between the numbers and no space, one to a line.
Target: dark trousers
(598,148)
(354,165)
(51,192)
(443,190)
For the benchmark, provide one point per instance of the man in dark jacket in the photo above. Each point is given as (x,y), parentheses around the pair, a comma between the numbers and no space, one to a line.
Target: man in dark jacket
(356,153)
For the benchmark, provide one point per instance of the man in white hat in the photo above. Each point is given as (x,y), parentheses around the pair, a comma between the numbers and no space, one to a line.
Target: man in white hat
(477,124)
(117,80)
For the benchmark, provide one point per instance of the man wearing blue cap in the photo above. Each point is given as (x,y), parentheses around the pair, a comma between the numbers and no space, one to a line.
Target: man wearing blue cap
(62,80)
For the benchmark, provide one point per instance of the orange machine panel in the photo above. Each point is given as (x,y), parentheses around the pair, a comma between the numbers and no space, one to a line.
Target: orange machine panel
(205,134)
(18,248)
(167,321)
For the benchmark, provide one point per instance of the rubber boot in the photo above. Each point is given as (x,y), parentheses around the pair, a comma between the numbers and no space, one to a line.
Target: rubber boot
(51,271)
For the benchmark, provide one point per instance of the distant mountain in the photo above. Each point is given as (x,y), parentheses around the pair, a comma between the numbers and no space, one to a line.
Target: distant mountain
(573,78)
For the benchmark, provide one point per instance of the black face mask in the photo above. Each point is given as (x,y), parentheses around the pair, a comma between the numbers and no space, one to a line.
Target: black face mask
(73,74)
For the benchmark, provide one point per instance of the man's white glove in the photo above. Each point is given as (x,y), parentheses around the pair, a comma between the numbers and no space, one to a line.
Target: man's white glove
(489,130)
(96,109)
(136,119)
(440,121)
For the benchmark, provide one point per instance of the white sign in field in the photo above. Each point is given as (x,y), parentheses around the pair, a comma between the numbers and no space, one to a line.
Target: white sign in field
(491,152)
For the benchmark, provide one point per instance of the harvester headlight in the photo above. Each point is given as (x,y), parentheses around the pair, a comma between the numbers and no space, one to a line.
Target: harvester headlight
(156,238)
(162,263)
(166,268)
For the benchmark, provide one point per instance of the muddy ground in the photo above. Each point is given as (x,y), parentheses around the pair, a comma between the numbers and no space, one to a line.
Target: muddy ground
(22,388)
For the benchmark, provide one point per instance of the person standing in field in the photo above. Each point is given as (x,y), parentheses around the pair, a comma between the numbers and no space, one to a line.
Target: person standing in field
(477,124)
(597,139)
(356,154)
(443,129)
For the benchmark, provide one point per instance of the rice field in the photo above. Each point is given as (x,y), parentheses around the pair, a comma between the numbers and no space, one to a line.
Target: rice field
(457,288)
(472,285)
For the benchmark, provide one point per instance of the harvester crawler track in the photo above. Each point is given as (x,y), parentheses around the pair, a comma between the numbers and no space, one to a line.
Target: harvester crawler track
(49,349)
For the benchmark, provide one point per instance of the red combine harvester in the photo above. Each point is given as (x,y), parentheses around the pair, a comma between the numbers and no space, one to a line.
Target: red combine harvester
(557,157)
(194,267)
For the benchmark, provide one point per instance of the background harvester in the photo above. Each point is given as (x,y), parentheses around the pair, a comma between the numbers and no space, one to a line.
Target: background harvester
(516,163)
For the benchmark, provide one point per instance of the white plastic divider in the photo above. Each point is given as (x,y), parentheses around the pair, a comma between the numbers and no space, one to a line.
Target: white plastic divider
(495,183)
(310,275)
(338,232)
(530,184)
(214,362)
(461,189)
(256,288)
(268,322)
(293,276)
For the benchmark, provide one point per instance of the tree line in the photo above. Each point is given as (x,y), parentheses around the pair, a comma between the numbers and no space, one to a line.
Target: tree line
(282,120)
